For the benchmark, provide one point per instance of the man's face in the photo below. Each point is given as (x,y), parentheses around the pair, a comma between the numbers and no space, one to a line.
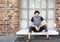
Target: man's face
(36,14)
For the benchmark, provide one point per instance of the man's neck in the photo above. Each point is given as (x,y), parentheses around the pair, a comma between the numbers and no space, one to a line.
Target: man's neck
(37,17)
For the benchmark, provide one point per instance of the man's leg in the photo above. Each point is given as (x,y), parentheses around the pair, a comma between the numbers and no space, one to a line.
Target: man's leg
(46,31)
(47,35)
(29,35)
(30,31)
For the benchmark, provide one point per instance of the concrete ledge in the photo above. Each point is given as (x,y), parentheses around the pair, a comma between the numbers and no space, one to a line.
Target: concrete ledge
(25,32)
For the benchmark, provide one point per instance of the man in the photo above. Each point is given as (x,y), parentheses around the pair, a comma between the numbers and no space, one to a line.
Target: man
(37,25)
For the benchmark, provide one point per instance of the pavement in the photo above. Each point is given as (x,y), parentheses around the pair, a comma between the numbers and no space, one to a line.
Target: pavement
(39,38)
(34,38)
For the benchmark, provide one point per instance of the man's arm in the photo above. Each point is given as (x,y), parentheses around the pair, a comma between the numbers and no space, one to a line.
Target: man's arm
(32,24)
(42,23)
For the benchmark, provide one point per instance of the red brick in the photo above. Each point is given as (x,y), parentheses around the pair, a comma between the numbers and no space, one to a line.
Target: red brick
(57,0)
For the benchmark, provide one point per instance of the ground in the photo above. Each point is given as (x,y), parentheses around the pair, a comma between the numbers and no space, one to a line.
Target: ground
(35,38)
(38,38)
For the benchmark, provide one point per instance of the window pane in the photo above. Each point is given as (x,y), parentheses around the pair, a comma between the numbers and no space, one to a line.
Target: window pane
(23,23)
(50,24)
(31,13)
(37,3)
(43,3)
(23,14)
(43,13)
(51,14)
(31,3)
(23,3)
(51,3)
(29,22)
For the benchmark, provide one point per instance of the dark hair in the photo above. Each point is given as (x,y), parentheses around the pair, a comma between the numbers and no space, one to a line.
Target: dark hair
(36,12)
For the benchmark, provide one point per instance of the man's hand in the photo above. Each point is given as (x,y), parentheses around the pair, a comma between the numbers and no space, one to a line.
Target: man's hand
(37,28)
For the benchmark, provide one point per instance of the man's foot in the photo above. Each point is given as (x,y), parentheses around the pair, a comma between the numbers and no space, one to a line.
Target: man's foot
(28,40)
(48,38)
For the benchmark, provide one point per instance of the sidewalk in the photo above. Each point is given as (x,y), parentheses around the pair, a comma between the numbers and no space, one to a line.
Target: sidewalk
(7,38)
(37,38)
(55,38)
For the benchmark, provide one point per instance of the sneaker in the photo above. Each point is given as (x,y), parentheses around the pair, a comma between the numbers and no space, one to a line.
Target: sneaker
(28,40)
(48,38)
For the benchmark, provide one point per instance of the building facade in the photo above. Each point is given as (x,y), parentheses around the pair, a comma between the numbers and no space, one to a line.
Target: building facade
(16,14)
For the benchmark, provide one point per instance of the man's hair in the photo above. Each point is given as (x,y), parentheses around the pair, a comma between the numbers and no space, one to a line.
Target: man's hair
(36,12)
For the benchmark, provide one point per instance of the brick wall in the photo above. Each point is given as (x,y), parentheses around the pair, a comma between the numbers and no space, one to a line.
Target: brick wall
(9,16)
(58,14)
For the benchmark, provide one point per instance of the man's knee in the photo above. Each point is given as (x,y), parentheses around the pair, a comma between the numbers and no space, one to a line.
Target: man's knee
(45,27)
(30,29)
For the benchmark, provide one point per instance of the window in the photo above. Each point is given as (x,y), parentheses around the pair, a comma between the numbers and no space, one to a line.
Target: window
(46,8)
